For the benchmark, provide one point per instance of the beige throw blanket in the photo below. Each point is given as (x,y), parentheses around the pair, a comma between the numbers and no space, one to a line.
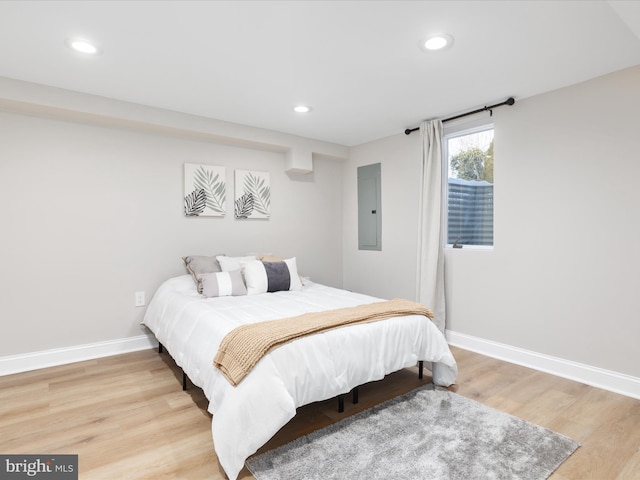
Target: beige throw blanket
(244,346)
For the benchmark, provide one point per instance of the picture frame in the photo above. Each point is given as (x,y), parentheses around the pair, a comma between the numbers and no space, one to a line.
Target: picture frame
(205,190)
(252,198)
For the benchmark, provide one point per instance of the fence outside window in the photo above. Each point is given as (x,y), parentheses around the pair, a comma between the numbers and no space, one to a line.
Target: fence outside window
(470,212)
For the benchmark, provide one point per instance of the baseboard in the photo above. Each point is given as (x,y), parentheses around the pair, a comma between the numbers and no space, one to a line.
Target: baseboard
(61,356)
(594,376)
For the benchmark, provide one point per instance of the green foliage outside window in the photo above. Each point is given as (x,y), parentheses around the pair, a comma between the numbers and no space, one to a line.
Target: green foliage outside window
(473,164)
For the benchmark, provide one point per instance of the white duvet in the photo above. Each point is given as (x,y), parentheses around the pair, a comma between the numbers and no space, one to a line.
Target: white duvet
(310,369)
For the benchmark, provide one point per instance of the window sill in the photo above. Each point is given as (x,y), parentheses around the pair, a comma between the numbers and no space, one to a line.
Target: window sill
(481,248)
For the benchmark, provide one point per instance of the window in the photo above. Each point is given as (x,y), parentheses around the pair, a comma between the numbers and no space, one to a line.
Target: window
(469,190)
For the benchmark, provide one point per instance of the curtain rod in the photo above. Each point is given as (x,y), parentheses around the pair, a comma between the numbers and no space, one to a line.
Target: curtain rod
(508,101)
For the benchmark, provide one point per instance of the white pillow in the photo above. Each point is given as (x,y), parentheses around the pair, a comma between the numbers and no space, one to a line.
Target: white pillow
(222,284)
(262,277)
(228,264)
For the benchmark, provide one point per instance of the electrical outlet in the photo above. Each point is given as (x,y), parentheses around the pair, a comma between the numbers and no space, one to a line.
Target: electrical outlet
(139,299)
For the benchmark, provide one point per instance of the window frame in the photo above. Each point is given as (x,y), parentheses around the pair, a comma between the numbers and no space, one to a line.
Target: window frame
(460,129)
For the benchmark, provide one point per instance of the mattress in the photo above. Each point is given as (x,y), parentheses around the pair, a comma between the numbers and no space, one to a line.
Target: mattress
(309,369)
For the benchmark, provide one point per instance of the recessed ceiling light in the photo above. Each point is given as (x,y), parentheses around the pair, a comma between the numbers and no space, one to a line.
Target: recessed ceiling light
(82,46)
(436,42)
(302,109)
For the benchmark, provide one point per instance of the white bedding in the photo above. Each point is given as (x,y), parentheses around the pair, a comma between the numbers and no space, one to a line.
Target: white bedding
(307,370)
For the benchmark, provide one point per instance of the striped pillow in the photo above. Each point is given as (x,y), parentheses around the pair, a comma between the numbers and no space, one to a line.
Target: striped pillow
(263,277)
(222,284)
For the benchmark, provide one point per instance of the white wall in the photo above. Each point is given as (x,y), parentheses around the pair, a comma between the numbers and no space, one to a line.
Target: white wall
(91,214)
(391,272)
(562,278)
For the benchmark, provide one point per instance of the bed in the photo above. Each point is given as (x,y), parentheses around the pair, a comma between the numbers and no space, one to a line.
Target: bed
(313,368)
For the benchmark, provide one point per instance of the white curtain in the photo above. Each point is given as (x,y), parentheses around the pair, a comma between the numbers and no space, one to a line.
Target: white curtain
(430,244)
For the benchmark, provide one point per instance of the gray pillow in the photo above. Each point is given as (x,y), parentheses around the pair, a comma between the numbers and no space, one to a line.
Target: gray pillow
(278,276)
(199,264)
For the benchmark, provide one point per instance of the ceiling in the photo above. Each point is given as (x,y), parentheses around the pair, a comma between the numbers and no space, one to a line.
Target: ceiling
(357,63)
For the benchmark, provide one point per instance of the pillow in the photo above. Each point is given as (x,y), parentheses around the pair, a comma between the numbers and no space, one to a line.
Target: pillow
(198,264)
(271,258)
(262,277)
(234,263)
(222,284)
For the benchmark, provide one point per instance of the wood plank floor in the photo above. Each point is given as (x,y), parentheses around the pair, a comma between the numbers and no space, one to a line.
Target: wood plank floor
(127,417)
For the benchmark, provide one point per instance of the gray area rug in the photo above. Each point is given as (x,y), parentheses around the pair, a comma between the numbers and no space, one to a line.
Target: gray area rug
(428,433)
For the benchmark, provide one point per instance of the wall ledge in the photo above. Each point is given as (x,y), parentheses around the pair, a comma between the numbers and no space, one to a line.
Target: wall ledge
(61,356)
(45,101)
(594,376)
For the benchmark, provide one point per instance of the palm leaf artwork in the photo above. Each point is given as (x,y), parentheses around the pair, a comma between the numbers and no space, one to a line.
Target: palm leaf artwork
(195,202)
(243,207)
(214,187)
(261,191)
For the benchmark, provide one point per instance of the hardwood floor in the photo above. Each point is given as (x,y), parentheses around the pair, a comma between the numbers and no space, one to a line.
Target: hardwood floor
(127,417)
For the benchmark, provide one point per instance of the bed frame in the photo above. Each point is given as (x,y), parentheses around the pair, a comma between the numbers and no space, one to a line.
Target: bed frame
(354,392)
